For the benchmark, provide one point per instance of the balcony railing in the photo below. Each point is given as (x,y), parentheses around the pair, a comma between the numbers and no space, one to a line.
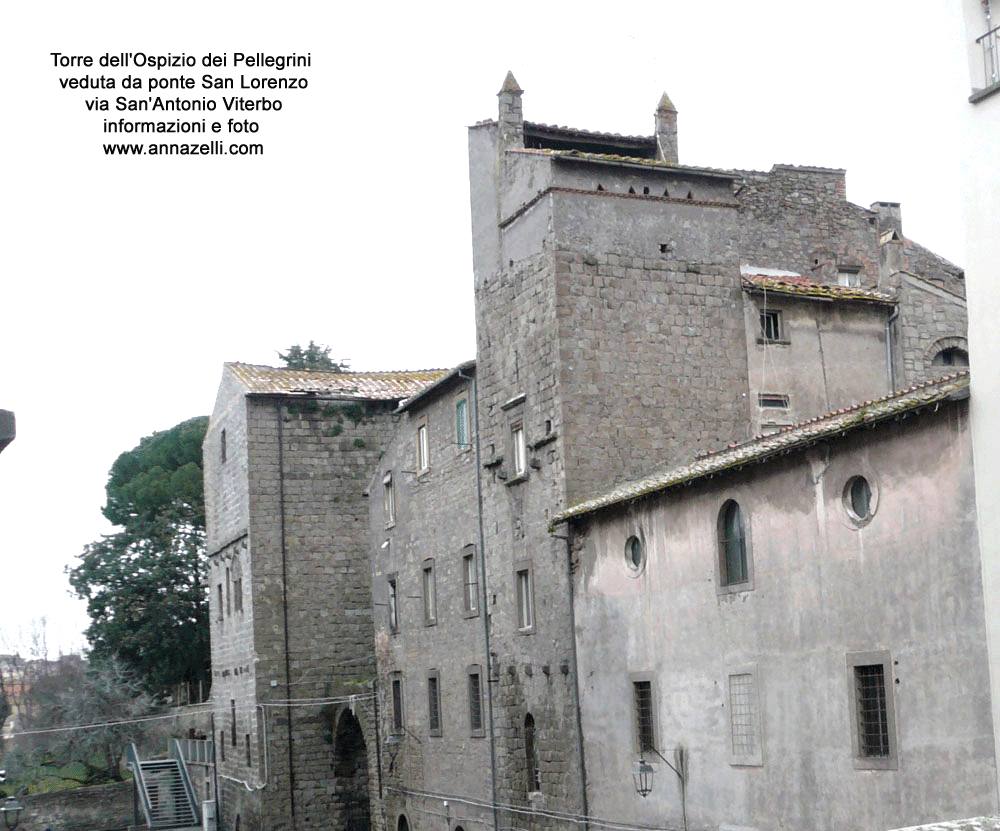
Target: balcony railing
(990,44)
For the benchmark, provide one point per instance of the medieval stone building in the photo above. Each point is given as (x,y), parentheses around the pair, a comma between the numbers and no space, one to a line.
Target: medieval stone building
(406,651)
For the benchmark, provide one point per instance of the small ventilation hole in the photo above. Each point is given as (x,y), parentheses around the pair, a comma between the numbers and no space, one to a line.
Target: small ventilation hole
(690,195)
(631,189)
(600,187)
(663,248)
(666,192)
(646,191)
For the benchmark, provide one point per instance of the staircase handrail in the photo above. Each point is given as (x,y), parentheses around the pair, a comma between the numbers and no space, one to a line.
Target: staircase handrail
(133,761)
(176,753)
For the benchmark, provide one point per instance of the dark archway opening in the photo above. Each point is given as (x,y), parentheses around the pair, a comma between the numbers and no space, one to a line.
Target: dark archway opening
(350,769)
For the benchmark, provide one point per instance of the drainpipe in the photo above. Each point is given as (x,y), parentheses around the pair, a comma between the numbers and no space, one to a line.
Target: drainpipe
(284,611)
(483,599)
(888,348)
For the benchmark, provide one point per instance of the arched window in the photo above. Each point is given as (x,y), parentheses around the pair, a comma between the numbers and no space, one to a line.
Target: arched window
(402,824)
(953,356)
(733,560)
(531,752)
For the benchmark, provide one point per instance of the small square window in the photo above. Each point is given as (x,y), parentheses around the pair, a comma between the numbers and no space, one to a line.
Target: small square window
(430,598)
(434,703)
(873,737)
(423,449)
(475,683)
(388,499)
(393,604)
(525,598)
(770,325)
(849,277)
(470,580)
(396,685)
(462,429)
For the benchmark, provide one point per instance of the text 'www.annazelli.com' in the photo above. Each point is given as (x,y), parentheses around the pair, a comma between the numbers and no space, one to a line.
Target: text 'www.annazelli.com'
(211,148)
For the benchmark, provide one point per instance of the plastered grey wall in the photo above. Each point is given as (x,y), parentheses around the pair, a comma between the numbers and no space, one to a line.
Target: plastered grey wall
(908,582)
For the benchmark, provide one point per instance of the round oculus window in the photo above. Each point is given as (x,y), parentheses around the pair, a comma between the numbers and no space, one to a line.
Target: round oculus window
(858,499)
(635,555)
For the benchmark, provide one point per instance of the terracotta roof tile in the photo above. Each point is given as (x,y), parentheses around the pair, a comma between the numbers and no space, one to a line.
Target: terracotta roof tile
(804,287)
(609,157)
(378,386)
(785,440)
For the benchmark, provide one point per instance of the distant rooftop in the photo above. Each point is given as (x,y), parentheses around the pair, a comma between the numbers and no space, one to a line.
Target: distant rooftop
(376,386)
(757,450)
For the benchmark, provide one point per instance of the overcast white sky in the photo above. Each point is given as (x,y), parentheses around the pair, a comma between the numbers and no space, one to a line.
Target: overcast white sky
(127,282)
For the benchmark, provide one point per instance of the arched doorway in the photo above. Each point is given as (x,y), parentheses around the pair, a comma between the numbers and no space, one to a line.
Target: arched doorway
(350,768)
(402,825)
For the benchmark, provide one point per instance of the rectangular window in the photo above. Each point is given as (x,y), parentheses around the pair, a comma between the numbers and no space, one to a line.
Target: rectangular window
(388,499)
(525,598)
(434,703)
(470,580)
(222,744)
(423,449)
(430,599)
(232,721)
(397,702)
(645,729)
(770,325)
(393,605)
(247,737)
(238,593)
(873,712)
(849,277)
(744,718)
(222,609)
(475,677)
(462,431)
(229,592)
(517,449)
(772,399)
(222,444)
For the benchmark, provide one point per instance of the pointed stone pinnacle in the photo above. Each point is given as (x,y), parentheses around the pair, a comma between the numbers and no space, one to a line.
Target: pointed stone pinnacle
(510,85)
(665,104)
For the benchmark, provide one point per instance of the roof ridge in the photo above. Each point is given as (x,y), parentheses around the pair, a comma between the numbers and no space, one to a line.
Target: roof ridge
(336,371)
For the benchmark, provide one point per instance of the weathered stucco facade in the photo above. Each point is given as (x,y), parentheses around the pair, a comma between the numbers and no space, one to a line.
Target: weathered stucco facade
(755,681)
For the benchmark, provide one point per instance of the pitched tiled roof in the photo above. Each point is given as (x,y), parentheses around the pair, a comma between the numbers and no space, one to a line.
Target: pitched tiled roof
(575,132)
(378,386)
(796,284)
(763,447)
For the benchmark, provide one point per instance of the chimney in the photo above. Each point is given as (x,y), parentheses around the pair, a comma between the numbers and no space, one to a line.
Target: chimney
(890,217)
(666,130)
(511,118)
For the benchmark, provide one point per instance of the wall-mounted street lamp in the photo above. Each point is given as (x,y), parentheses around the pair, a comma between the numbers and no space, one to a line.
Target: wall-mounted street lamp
(642,776)
(11,811)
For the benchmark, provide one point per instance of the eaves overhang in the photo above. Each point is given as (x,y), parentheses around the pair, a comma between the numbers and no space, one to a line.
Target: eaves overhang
(461,372)
(931,394)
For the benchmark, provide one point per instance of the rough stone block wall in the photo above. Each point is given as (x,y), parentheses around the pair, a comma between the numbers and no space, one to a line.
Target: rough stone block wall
(799,219)
(107,807)
(930,319)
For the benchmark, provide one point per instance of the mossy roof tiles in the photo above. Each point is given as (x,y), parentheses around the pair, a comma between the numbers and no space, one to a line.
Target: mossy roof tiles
(764,447)
(804,287)
(377,386)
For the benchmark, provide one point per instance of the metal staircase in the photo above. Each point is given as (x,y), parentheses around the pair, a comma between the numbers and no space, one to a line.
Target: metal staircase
(163,792)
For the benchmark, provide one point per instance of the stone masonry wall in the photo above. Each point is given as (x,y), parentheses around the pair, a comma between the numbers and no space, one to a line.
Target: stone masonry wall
(434,526)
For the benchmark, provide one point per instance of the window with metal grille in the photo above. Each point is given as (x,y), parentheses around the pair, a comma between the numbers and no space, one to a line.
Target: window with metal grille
(470,579)
(644,725)
(873,716)
(475,701)
(744,719)
(462,430)
(434,703)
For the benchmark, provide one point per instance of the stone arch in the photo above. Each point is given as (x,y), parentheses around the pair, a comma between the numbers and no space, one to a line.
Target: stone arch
(948,352)
(350,771)
(402,824)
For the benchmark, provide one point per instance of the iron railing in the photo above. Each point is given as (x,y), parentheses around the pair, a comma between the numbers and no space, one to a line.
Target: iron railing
(990,44)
